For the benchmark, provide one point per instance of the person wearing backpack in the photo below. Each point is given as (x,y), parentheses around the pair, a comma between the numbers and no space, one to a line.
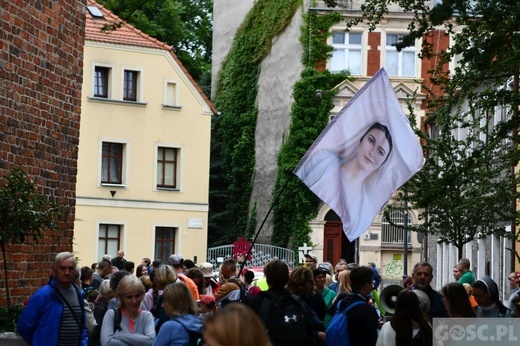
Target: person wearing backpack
(408,325)
(128,324)
(282,313)
(355,322)
(185,326)
(231,289)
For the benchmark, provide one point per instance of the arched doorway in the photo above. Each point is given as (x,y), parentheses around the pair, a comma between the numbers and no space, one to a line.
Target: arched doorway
(336,244)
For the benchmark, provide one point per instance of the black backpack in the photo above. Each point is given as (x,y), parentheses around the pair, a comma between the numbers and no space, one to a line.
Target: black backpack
(245,295)
(286,320)
(96,338)
(159,314)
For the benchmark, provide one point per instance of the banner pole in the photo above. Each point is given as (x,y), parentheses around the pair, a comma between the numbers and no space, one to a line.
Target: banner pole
(262,224)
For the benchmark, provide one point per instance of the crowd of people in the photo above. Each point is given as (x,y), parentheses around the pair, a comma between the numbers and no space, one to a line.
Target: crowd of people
(180,303)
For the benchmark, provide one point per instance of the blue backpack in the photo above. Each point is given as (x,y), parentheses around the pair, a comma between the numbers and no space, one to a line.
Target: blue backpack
(337,333)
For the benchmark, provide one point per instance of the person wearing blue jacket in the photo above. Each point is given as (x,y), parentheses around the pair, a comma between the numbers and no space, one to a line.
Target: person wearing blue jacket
(184,327)
(55,313)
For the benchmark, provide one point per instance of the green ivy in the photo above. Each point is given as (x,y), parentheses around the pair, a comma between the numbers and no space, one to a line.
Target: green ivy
(297,205)
(233,147)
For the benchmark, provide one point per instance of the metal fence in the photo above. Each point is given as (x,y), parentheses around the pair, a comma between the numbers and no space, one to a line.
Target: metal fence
(261,254)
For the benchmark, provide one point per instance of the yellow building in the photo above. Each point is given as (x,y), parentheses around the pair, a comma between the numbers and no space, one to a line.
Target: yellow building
(143,161)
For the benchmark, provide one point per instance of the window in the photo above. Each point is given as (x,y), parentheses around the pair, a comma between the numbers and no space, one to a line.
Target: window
(109,239)
(392,234)
(130,85)
(112,163)
(101,75)
(164,242)
(171,94)
(399,63)
(347,52)
(167,159)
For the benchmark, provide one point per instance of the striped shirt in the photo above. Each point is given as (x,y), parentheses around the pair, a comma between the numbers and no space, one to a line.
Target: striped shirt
(71,318)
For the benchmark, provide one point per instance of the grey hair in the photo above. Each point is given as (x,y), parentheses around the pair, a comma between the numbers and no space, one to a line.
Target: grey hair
(62,256)
(77,274)
(104,289)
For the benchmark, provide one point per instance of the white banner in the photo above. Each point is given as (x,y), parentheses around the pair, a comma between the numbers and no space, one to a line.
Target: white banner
(366,153)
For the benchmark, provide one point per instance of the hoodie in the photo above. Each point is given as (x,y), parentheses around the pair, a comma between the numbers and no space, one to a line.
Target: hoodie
(177,331)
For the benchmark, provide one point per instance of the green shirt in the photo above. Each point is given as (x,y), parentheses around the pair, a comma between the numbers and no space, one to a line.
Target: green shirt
(467,278)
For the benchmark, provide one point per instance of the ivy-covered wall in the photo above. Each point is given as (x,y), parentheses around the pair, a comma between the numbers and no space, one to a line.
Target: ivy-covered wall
(296,204)
(233,136)
(238,140)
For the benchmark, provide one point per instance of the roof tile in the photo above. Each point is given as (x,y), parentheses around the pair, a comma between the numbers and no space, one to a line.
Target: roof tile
(112,29)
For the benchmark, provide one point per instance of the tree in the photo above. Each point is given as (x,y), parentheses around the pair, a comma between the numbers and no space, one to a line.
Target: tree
(24,212)
(468,185)
(184,24)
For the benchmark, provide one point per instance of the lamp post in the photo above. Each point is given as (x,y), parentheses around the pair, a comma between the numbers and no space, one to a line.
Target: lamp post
(405,237)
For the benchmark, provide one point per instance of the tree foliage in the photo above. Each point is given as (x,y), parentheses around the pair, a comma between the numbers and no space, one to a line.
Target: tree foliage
(24,212)
(467,187)
(184,24)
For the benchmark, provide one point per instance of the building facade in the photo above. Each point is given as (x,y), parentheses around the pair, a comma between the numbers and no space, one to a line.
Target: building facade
(143,166)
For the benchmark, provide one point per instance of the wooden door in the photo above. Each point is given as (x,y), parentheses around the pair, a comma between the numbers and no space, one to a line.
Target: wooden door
(332,241)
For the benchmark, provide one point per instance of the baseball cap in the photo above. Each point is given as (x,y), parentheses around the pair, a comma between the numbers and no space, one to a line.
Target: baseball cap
(319,270)
(207,269)
(207,299)
(311,256)
(326,266)
(175,260)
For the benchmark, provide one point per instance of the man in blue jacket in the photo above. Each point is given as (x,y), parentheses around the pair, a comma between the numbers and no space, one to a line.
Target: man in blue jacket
(55,314)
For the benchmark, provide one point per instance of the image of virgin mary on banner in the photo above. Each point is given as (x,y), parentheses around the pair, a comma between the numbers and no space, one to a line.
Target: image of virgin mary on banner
(363,156)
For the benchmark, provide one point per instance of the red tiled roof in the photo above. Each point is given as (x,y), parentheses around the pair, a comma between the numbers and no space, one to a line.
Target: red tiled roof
(125,34)
(112,29)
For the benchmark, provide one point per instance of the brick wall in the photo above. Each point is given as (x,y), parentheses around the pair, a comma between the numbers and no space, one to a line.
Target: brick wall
(439,41)
(374,54)
(41,66)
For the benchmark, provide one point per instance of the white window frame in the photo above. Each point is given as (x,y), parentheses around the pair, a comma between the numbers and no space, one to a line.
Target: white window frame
(122,235)
(347,48)
(176,104)
(140,78)
(125,164)
(400,55)
(176,237)
(110,81)
(179,168)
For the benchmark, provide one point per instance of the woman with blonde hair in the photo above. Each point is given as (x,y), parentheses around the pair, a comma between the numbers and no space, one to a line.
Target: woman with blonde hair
(344,290)
(163,276)
(235,325)
(184,326)
(153,301)
(129,325)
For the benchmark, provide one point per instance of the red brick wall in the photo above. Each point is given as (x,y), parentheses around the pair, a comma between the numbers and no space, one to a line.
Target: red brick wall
(440,41)
(41,66)
(374,54)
